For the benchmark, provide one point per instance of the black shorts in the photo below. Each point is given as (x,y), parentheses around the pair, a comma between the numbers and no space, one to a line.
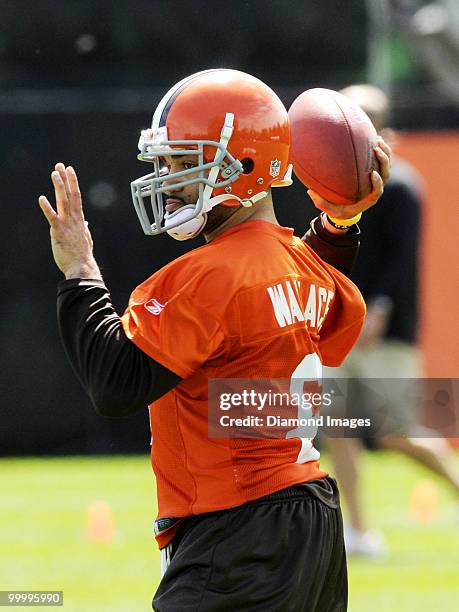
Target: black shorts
(280,553)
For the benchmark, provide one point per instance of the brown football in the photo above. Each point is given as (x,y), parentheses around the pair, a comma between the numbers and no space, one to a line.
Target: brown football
(332,145)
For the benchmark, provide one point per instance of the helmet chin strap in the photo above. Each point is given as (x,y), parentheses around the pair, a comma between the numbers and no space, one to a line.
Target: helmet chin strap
(193,227)
(190,228)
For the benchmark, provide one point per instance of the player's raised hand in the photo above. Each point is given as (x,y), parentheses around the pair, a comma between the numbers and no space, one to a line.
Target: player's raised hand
(71,240)
(378,179)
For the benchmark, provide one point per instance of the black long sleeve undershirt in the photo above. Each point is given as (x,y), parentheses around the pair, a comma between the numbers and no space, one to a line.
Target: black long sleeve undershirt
(119,377)
(339,250)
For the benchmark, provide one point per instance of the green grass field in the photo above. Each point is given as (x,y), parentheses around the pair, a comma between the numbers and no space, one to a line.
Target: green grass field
(44,542)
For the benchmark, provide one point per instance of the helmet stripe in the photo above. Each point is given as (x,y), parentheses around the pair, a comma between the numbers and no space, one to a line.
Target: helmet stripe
(163,108)
(166,109)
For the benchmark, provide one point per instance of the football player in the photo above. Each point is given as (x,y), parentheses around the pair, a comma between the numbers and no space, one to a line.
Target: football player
(243,523)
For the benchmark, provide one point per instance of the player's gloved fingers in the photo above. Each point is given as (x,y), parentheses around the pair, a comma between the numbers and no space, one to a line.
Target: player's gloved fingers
(47,209)
(62,202)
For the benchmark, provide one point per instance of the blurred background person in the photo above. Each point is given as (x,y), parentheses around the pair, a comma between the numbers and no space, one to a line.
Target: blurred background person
(386,272)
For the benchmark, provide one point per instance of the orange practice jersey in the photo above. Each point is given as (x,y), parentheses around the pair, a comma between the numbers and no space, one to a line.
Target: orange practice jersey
(253,303)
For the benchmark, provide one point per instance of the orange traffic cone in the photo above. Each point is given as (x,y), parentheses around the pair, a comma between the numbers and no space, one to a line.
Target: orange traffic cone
(424,501)
(99,523)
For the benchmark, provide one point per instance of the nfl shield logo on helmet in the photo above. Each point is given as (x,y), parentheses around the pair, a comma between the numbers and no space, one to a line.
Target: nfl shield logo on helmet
(274,169)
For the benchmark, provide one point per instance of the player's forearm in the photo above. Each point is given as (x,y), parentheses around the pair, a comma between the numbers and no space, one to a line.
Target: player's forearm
(119,377)
(338,249)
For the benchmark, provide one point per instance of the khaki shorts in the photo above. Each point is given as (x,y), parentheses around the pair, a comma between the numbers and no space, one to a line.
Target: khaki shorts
(387,359)
(382,387)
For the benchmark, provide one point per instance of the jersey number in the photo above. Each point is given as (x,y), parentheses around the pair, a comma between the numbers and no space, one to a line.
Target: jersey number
(308,370)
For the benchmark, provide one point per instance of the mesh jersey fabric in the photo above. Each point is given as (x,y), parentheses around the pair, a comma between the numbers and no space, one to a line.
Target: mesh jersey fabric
(250,304)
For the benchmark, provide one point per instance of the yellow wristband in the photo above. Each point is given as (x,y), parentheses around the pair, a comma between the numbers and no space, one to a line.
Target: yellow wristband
(345,222)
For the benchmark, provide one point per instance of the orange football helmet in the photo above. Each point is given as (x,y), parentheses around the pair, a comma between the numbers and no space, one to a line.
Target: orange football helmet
(239,131)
